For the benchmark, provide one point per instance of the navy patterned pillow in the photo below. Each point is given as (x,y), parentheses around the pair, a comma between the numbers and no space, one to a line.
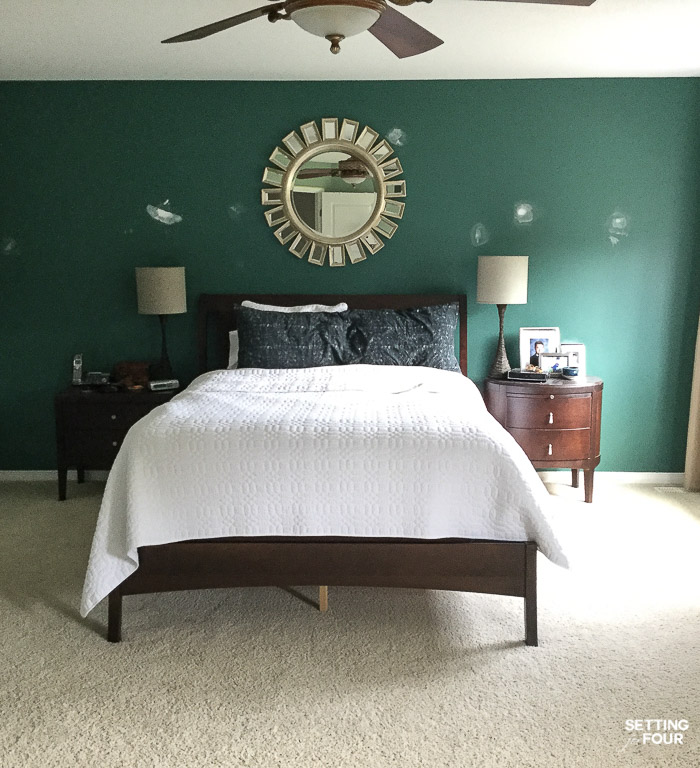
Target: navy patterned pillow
(419,336)
(290,340)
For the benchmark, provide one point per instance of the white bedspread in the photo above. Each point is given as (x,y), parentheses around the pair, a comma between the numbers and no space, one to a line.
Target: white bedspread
(347,451)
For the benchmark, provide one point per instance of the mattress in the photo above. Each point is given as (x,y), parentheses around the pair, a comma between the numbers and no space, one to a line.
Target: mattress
(356,450)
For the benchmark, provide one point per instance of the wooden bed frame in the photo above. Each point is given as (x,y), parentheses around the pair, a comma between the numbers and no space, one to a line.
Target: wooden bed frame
(468,565)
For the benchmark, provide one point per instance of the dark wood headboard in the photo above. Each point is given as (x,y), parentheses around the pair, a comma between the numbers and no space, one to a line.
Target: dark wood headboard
(216,316)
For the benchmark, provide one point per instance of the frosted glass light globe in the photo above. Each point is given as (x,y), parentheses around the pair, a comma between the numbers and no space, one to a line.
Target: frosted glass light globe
(325,20)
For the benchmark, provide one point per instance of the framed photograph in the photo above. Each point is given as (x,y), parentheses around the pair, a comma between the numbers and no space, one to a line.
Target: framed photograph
(535,342)
(553,362)
(577,356)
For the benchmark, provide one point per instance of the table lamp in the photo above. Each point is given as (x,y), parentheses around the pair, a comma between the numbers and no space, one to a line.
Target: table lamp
(161,291)
(501,280)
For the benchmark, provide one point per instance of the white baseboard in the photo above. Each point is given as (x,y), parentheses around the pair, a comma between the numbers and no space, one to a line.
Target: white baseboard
(548,476)
(617,478)
(27,475)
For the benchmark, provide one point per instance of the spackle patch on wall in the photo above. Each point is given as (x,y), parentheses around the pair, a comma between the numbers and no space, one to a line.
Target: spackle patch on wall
(523,213)
(397,137)
(9,246)
(617,226)
(163,214)
(235,211)
(479,235)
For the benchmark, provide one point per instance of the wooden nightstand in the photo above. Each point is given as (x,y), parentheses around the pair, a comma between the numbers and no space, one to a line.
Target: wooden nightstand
(557,422)
(91,425)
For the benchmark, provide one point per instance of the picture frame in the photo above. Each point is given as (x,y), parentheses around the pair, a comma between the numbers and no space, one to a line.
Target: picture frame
(577,356)
(552,363)
(548,338)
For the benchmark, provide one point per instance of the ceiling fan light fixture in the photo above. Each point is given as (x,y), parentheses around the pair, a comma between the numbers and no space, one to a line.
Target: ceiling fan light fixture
(335,19)
(353,178)
(353,171)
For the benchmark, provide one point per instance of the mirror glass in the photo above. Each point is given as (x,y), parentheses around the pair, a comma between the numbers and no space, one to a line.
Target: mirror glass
(334,194)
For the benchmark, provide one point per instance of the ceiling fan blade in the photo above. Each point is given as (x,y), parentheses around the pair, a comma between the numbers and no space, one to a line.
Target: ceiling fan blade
(547,2)
(220,26)
(317,174)
(335,173)
(402,36)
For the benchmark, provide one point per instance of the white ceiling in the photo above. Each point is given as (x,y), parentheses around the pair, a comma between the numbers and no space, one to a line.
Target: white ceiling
(120,40)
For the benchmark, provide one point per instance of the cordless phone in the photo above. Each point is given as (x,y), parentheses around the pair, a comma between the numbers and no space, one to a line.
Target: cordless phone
(78,369)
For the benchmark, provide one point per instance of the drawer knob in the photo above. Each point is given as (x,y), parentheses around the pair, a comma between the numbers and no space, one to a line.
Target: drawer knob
(114,417)
(551,397)
(551,418)
(549,450)
(114,443)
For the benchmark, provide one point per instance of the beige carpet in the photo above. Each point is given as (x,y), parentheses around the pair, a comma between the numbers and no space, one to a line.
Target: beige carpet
(259,678)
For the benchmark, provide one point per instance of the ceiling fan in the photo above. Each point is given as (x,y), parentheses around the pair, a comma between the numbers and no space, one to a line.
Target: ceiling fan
(337,19)
(351,170)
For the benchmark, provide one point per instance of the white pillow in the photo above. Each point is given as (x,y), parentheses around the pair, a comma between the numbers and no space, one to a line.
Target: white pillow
(342,307)
(232,350)
(233,335)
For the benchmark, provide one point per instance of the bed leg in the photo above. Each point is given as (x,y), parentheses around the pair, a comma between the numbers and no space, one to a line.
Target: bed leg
(323,599)
(531,594)
(114,616)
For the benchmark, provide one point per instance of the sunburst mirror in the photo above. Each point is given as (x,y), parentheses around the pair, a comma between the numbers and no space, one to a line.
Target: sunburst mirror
(332,193)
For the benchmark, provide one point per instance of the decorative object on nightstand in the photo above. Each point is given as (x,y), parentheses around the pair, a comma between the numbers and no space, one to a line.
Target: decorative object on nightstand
(553,363)
(501,280)
(577,355)
(131,374)
(535,342)
(556,423)
(91,425)
(161,291)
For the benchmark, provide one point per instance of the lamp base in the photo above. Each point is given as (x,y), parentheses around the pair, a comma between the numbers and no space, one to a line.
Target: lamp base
(161,369)
(499,368)
(500,365)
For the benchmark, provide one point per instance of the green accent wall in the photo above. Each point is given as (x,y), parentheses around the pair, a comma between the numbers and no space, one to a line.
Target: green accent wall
(82,160)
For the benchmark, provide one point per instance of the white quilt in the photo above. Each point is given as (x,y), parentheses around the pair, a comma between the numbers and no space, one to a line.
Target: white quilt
(361,450)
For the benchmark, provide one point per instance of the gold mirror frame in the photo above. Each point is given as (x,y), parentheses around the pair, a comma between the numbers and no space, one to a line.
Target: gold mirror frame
(369,148)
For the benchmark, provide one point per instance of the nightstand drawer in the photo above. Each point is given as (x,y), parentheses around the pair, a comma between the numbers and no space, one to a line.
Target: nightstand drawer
(93,448)
(554,444)
(544,412)
(100,416)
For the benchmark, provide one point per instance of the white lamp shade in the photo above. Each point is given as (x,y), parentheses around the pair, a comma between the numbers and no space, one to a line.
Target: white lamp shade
(345,20)
(502,280)
(161,290)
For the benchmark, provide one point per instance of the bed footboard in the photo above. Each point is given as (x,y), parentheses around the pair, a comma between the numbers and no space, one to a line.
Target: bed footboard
(466,565)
